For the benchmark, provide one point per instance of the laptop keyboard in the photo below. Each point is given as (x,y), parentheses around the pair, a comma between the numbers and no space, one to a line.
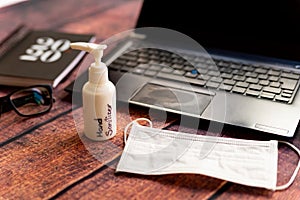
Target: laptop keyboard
(244,79)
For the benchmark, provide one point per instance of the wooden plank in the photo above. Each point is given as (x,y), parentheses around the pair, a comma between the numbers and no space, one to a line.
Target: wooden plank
(118,19)
(52,160)
(41,164)
(12,125)
(108,185)
(54,13)
(28,166)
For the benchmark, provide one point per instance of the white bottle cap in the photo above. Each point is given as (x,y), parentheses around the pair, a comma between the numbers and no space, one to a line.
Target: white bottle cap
(98,69)
(95,49)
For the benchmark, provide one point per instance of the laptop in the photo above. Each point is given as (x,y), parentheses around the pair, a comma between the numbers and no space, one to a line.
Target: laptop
(245,73)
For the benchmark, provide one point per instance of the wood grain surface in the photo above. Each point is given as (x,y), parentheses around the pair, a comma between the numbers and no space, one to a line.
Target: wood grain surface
(48,157)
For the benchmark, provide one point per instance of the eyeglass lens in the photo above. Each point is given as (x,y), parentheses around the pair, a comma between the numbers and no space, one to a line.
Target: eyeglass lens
(31,101)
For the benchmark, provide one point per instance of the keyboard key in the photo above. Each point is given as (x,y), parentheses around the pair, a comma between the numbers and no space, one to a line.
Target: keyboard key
(164,58)
(211,84)
(235,66)
(167,69)
(251,74)
(198,82)
(288,91)
(131,64)
(115,66)
(273,72)
(143,66)
(272,90)
(239,78)
(288,83)
(213,68)
(275,84)
(153,51)
(225,70)
(138,71)
(286,95)
(248,68)
(191,75)
(273,78)
(178,61)
(238,90)
(229,82)
(204,77)
(216,79)
(178,72)
(144,55)
(154,62)
(120,61)
(260,70)
(262,76)
(165,53)
(177,66)
(264,82)
(165,64)
(126,69)
(150,73)
(202,71)
(210,62)
(177,78)
(223,64)
(238,72)
(290,75)
(132,53)
(155,67)
(242,84)
(142,60)
(128,57)
(266,95)
(188,68)
(201,66)
(252,80)
(255,87)
(225,87)
(252,93)
(154,57)
(282,99)
(199,60)
(213,73)
(226,76)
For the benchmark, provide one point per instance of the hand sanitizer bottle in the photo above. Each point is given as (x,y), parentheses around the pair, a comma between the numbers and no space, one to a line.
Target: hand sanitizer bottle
(98,96)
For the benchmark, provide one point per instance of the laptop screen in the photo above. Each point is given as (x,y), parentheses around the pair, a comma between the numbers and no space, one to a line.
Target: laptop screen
(268,28)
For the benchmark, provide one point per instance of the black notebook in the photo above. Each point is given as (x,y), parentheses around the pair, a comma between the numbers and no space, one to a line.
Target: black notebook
(31,57)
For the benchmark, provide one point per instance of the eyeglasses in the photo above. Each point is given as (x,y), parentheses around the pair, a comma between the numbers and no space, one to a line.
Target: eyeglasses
(28,102)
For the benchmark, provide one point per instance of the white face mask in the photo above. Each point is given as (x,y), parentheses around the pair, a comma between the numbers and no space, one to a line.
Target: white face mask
(152,151)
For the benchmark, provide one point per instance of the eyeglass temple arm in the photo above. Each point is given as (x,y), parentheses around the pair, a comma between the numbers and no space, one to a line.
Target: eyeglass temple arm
(7,106)
(31,98)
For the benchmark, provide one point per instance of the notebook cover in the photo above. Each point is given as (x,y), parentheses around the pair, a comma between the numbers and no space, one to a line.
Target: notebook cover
(41,56)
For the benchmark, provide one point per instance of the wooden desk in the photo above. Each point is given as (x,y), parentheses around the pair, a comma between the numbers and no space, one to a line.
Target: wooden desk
(44,157)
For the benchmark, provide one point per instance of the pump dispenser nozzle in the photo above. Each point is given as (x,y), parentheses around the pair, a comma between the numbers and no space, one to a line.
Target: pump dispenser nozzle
(98,96)
(95,49)
(98,69)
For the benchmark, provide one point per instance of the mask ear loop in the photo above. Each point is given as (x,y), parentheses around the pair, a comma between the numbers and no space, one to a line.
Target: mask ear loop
(293,177)
(136,123)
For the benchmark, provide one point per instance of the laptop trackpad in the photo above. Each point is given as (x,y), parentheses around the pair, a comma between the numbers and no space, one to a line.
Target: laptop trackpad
(171,99)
